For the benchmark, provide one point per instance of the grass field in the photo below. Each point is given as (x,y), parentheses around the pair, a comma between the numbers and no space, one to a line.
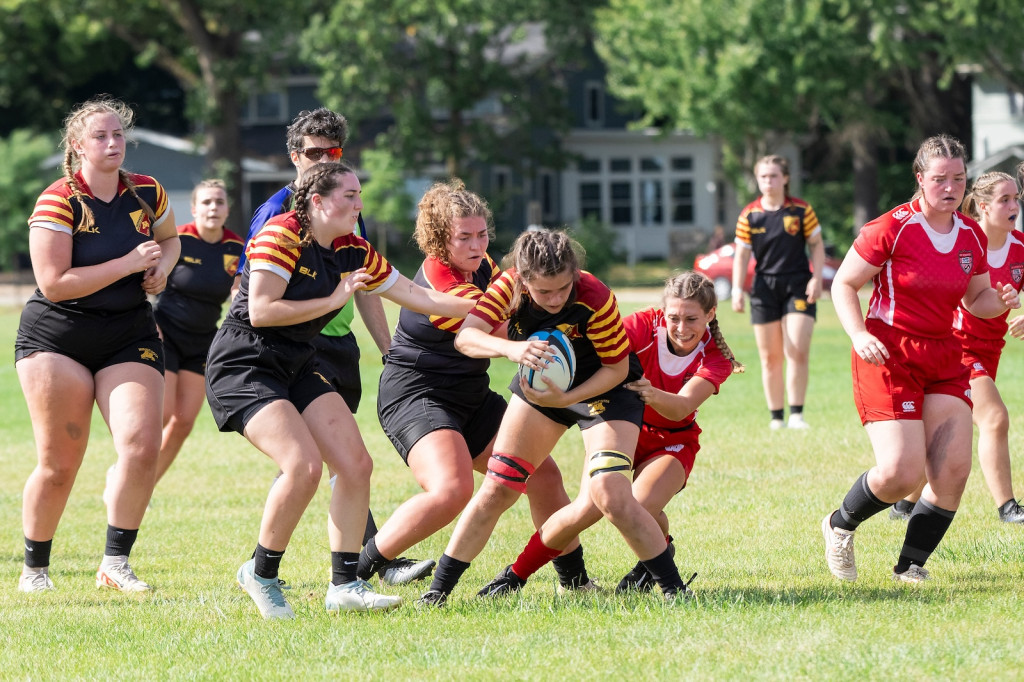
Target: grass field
(748,523)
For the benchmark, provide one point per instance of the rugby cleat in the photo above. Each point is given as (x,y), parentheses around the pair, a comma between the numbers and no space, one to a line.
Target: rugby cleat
(505,583)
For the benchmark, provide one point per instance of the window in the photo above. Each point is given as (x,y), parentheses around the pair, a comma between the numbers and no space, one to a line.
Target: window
(682,201)
(547,195)
(590,200)
(682,163)
(650,202)
(622,203)
(652,164)
(621,165)
(593,104)
(590,165)
(266,107)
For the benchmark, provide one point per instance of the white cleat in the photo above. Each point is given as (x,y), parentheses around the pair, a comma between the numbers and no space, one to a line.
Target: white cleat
(35,580)
(839,550)
(357,596)
(266,592)
(116,574)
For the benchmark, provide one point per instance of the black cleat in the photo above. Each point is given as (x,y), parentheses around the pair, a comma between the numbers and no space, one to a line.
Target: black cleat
(680,594)
(402,571)
(639,579)
(901,511)
(432,599)
(1011,513)
(504,583)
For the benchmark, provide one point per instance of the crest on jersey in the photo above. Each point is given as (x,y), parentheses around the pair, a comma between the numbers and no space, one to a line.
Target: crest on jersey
(141,222)
(572,331)
(966,258)
(231,264)
(1017,271)
(791,223)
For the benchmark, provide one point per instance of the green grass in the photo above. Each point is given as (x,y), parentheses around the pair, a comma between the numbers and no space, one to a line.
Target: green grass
(748,523)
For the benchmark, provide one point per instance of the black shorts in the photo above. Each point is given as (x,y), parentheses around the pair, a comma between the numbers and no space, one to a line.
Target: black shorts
(94,339)
(412,403)
(773,296)
(183,350)
(339,362)
(246,371)
(618,404)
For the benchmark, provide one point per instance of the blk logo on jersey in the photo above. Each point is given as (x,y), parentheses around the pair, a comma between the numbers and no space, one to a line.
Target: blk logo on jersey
(147,354)
(141,222)
(1016,272)
(231,265)
(303,270)
(966,258)
(192,260)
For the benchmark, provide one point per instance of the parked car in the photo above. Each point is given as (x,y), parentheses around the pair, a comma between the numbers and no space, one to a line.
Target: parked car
(717,265)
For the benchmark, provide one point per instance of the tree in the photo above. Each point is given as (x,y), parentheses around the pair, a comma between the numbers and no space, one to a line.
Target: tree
(754,72)
(385,192)
(463,81)
(20,185)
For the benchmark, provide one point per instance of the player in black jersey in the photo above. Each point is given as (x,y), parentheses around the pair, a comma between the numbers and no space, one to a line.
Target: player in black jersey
(436,404)
(263,379)
(544,288)
(101,239)
(189,309)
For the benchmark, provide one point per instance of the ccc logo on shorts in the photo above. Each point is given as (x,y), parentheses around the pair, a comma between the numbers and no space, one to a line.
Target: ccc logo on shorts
(800,305)
(147,354)
(908,406)
(598,406)
(322,378)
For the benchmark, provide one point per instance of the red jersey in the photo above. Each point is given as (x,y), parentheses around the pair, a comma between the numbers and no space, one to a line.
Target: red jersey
(924,273)
(668,371)
(1006,266)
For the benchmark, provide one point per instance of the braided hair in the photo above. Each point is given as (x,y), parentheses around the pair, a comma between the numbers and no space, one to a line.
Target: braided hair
(439,208)
(75,128)
(321,179)
(542,253)
(694,286)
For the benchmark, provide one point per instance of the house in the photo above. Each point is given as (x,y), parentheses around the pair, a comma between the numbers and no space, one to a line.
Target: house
(997,119)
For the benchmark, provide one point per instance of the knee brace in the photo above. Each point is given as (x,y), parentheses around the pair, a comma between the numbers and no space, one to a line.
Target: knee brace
(608,461)
(511,472)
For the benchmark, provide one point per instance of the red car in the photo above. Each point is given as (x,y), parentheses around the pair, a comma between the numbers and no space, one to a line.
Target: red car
(717,265)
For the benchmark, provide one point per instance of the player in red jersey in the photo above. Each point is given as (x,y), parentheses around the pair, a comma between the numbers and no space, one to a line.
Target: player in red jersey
(685,359)
(924,259)
(544,288)
(101,239)
(262,378)
(992,201)
(436,404)
(778,229)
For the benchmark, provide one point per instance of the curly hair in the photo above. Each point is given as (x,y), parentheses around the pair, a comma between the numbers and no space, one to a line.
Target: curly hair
(543,253)
(75,130)
(440,207)
(695,286)
(984,190)
(320,179)
(320,122)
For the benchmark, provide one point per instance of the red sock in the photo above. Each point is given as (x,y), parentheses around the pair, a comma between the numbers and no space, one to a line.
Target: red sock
(533,556)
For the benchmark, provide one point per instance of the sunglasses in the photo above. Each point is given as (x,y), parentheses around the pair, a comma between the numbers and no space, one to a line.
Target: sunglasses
(317,153)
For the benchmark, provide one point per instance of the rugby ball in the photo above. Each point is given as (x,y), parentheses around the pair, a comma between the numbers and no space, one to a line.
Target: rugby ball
(562,367)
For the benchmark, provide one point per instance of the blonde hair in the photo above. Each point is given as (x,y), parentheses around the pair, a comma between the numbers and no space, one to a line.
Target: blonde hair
(75,130)
(937,146)
(694,286)
(542,253)
(984,190)
(440,207)
(211,183)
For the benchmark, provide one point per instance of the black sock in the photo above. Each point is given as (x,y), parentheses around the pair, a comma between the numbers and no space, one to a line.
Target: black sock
(268,562)
(37,553)
(120,541)
(447,574)
(925,529)
(777,414)
(571,570)
(343,567)
(904,506)
(859,505)
(370,560)
(371,527)
(796,409)
(663,569)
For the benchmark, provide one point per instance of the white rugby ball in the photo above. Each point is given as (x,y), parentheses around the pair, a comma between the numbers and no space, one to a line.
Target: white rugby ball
(562,367)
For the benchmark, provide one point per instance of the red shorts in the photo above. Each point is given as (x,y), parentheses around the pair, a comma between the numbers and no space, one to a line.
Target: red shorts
(683,445)
(916,367)
(981,356)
